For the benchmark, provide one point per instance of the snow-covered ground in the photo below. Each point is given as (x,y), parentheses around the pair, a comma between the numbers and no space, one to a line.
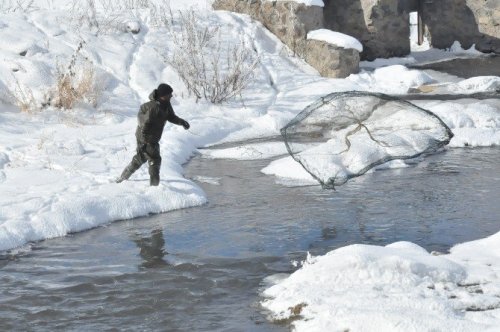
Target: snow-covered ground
(57,167)
(399,287)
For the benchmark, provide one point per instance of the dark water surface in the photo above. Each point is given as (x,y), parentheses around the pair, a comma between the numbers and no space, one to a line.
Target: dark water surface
(201,269)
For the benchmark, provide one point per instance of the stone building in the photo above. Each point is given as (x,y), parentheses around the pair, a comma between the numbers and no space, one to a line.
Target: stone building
(382,26)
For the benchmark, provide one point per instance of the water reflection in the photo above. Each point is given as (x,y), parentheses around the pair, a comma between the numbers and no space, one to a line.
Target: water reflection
(152,249)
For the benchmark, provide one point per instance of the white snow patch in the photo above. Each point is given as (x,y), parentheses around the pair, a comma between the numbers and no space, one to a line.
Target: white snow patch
(372,288)
(247,152)
(395,79)
(57,167)
(477,84)
(336,38)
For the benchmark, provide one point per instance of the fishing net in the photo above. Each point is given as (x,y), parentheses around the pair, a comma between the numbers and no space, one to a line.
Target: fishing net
(343,135)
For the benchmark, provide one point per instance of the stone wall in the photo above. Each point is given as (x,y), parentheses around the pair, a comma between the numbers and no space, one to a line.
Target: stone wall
(468,21)
(290,22)
(382,26)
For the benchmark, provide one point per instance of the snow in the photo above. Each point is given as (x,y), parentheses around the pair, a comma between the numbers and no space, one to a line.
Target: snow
(335,38)
(399,287)
(57,166)
(247,151)
(395,79)
(424,55)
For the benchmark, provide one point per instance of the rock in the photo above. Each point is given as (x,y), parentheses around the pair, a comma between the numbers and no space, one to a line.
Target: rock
(132,27)
(332,61)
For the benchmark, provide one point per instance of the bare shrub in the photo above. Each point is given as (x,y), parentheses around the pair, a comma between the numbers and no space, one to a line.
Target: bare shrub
(210,67)
(111,5)
(12,6)
(22,97)
(106,16)
(86,15)
(75,82)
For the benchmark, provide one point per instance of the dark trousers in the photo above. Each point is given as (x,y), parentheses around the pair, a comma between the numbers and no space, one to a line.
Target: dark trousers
(145,152)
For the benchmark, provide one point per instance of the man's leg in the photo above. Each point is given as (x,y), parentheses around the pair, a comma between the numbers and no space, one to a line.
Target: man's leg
(134,165)
(154,161)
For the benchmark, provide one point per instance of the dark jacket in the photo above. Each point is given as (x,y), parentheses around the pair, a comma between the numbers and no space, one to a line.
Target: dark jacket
(152,118)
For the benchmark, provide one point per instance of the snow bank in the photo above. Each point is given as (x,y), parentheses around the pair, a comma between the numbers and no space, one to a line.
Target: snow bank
(248,151)
(395,79)
(400,287)
(474,123)
(477,84)
(335,38)
(57,167)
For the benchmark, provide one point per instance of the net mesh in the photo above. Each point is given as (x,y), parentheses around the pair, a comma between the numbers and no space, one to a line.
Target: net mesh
(343,135)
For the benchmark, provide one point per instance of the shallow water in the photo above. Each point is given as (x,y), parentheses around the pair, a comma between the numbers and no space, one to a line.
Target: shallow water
(203,268)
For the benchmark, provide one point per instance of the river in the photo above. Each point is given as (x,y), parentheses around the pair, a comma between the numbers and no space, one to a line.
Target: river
(203,268)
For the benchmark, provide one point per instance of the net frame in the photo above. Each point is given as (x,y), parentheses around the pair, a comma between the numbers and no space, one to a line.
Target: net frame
(287,133)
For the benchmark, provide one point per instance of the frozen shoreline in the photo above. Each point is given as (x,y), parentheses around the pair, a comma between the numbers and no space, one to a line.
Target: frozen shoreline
(57,167)
(399,287)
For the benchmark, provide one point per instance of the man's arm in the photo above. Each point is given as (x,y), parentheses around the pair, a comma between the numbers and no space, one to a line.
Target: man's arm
(176,120)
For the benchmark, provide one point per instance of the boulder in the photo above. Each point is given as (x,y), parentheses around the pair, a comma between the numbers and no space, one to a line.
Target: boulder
(330,60)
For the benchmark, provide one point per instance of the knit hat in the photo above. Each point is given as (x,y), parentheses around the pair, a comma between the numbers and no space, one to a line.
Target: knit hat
(163,90)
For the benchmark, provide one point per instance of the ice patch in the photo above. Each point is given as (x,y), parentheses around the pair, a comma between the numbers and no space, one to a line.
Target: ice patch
(207,179)
(247,152)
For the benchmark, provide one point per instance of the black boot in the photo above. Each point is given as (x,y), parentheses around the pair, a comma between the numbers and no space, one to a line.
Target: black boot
(129,170)
(125,175)
(154,174)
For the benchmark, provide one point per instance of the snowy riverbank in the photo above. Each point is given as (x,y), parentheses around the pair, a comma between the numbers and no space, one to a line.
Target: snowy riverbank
(57,167)
(399,287)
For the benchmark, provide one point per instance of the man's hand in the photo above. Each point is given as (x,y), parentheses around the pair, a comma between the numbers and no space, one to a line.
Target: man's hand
(185,124)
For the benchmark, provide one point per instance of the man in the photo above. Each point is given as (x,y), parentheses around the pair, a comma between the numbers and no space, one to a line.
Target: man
(151,120)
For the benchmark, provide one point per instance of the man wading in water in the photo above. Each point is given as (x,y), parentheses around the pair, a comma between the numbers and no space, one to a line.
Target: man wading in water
(151,119)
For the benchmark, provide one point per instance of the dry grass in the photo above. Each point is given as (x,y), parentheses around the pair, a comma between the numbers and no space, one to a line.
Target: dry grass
(76,87)
(19,95)
(75,82)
